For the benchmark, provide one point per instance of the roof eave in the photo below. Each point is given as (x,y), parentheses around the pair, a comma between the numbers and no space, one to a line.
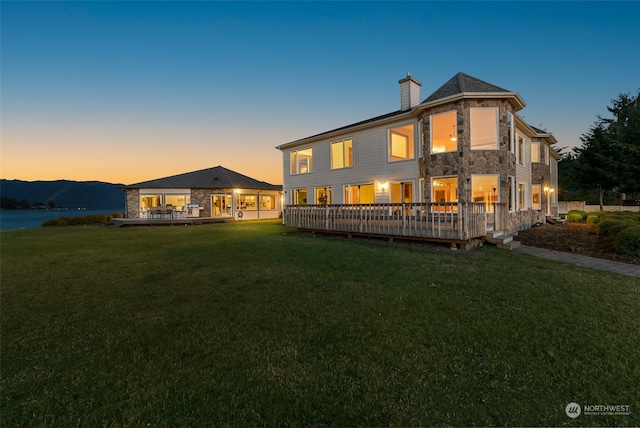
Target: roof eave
(348,129)
(516,98)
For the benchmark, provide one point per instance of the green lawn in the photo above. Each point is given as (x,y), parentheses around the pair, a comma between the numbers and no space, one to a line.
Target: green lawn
(249,324)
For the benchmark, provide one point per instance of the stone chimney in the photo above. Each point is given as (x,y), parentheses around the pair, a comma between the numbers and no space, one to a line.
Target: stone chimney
(409,92)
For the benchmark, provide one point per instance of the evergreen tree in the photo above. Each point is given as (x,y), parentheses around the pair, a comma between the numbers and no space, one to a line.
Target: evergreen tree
(609,159)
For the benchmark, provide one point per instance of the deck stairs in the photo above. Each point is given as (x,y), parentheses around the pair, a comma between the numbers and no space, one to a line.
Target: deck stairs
(499,239)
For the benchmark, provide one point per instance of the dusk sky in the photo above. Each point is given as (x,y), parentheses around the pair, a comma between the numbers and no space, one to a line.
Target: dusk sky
(125,92)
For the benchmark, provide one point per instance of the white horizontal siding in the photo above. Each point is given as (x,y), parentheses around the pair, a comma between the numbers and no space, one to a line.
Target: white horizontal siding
(370,164)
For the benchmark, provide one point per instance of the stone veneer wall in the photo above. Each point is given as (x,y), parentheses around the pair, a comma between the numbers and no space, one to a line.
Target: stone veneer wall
(464,162)
(133,203)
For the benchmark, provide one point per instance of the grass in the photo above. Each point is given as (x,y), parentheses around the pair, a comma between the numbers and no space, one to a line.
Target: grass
(251,324)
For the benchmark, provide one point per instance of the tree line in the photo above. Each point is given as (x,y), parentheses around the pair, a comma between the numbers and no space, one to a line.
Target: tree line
(7,203)
(605,169)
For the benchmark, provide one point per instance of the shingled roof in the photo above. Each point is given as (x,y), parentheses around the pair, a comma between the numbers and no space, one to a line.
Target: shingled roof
(211,178)
(463,83)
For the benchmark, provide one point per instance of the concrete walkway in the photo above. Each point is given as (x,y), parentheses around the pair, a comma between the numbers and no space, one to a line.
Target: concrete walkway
(584,261)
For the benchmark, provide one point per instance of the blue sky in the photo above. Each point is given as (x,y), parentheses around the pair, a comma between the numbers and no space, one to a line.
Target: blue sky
(130,91)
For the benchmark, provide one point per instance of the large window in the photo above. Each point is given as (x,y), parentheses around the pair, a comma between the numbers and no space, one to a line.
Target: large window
(323,195)
(444,189)
(177,201)
(246,202)
(536,189)
(341,154)
(484,128)
(401,143)
(359,194)
(444,132)
(301,161)
(267,202)
(484,188)
(535,151)
(401,192)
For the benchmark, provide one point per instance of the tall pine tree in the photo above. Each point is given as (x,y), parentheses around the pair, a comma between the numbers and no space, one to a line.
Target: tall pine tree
(609,158)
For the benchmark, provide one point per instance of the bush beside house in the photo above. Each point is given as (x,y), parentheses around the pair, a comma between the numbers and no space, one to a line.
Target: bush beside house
(623,225)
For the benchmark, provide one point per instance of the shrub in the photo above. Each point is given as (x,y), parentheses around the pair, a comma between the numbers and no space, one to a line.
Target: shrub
(628,241)
(591,218)
(574,218)
(605,224)
(622,225)
(117,215)
(582,214)
(79,220)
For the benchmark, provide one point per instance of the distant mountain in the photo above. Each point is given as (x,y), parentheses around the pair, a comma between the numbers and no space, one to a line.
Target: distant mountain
(65,193)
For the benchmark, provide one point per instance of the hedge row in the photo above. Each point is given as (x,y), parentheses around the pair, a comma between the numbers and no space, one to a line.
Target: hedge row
(623,225)
(82,220)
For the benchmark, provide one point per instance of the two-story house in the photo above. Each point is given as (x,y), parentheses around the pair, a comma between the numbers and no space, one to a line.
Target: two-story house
(463,144)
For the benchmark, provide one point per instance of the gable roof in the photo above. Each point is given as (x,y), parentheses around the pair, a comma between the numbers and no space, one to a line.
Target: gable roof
(211,178)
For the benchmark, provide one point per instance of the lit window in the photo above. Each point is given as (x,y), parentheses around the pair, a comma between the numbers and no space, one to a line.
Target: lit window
(267,202)
(246,202)
(484,188)
(444,133)
(484,128)
(535,151)
(341,154)
(521,195)
(323,195)
(299,196)
(535,194)
(359,194)
(444,189)
(301,161)
(401,143)
(401,192)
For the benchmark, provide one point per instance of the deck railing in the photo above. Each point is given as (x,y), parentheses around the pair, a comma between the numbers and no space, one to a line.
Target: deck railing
(447,221)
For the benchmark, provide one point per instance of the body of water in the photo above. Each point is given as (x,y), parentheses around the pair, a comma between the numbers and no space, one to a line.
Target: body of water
(22,219)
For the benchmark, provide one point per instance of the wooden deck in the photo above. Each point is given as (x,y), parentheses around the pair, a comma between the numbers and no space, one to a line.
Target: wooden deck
(450,222)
